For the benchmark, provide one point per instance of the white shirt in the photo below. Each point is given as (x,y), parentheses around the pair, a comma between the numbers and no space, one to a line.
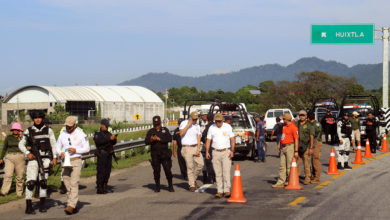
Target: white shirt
(77,139)
(220,136)
(191,136)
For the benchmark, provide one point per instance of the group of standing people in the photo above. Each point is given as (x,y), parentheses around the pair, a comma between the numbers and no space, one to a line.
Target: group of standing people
(218,142)
(38,146)
(301,139)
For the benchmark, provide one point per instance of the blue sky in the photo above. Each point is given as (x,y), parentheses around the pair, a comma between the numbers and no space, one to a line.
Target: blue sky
(88,42)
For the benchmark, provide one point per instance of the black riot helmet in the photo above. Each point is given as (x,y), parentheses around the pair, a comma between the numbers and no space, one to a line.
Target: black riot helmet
(37,114)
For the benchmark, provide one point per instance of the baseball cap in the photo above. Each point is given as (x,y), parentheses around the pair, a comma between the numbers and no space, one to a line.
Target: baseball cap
(355,113)
(70,121)
(287,116)
(194,115)
(218,117)
(302,112)
(204,112)
(156,120)
(105,122)
(258,116)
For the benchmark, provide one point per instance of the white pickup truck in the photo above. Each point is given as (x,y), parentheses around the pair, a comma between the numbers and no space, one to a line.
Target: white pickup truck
(270,118)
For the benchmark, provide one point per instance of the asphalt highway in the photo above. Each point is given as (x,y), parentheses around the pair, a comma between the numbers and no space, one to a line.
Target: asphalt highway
(360,193)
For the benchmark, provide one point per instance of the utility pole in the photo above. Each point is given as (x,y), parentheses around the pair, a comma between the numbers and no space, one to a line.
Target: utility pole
(385,86)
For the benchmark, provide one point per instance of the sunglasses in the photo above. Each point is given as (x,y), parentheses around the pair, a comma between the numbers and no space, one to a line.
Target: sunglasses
(218,121)
(302,115)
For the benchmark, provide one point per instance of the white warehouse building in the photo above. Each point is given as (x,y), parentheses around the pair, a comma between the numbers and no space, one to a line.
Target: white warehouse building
(119,103)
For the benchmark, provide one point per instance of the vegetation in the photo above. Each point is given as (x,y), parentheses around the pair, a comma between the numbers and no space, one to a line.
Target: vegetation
(59,115)
(298,94)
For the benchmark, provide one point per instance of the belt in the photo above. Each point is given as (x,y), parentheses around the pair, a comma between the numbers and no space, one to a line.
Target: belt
(75,158)
(220,150)
(190,145)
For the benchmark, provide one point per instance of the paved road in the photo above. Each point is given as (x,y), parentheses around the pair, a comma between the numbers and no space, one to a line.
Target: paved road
(340,197)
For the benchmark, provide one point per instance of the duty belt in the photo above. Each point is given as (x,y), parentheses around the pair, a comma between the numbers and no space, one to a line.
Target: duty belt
(194,145)
(220,150)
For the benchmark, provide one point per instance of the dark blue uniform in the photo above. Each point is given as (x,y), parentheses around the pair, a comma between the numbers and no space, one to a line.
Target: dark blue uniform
(160,154)
(104,149)
(180,158)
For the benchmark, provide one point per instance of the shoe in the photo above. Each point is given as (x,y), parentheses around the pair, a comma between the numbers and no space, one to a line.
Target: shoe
(63,189)
(157,188)
(70,210)
(29,208)
(218,195)
(257,161)
(285,183)
(339,167)
(278,185)
(306,182)
(99,189)
(346,166)
(42,205)
(192,189)
(170,186)
(106,189)
(314,181)
(196,185)
(226,194)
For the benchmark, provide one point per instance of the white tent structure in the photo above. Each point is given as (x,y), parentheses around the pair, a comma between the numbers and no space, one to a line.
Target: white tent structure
(119,103)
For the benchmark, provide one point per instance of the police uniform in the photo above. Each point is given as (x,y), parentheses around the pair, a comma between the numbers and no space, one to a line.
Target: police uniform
(371,125)
(180,158)
(104,149)
(210,174)
(44,140)
(344,132)
(329,128)
(305,131)
(160,153)
(315,159)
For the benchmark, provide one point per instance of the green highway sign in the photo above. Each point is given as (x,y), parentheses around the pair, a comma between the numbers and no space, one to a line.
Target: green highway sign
(343,34)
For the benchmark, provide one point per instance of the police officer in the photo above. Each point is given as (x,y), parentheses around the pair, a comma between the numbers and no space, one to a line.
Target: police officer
(105,142)
(159,137)
(344,132)
(177,146)
(306,143)
(316,150)
(328,123)
(41,138)
(371,125)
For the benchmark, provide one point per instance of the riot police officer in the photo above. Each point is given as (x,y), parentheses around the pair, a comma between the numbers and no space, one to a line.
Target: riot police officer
(159,137)
(104,141)
(344,132)
(38,140)
(371,125)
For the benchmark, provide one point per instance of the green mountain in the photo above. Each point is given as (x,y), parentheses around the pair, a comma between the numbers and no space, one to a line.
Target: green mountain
(369,75)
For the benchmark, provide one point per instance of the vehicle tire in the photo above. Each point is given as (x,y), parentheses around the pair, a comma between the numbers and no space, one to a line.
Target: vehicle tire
(252,152)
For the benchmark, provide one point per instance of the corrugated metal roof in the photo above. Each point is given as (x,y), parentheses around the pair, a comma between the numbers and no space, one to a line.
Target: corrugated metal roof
(82,93)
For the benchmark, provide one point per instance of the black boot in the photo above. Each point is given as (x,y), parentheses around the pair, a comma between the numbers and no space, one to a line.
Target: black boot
(346,166)
(170,186)
(106,189)
(63,189)
(339,167)
(157,187)
(100,189)
(42,205)
(29,208)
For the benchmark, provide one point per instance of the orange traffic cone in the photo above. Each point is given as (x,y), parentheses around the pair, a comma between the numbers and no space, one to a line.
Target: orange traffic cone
(237,195)
(332,170)
(293,179)
(358,158)
(367,154)
(384,144)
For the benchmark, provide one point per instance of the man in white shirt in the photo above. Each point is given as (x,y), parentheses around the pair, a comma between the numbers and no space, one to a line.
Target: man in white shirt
(76,143)
(190,139)
(223,143)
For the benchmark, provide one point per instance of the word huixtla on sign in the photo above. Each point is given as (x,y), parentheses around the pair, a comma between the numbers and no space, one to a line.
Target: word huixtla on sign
(343,34)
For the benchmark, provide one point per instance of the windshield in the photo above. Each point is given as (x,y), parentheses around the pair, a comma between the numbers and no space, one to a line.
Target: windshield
(237,122)
(363,112)
(275,114)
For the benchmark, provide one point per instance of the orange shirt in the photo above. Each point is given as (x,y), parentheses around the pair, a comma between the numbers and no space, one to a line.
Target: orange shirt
(290,132)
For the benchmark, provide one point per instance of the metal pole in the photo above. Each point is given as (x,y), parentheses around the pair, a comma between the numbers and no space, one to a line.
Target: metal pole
(385,87)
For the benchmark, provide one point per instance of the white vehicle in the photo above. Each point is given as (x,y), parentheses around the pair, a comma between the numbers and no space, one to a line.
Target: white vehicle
(270,118)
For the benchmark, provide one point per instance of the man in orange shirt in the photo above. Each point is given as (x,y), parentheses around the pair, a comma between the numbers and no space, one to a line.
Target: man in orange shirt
(289,148)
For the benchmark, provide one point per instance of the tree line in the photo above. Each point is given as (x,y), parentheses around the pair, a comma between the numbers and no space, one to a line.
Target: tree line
(295,95)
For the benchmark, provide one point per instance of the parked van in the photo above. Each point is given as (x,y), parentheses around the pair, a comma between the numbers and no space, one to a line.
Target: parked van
(270,118)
